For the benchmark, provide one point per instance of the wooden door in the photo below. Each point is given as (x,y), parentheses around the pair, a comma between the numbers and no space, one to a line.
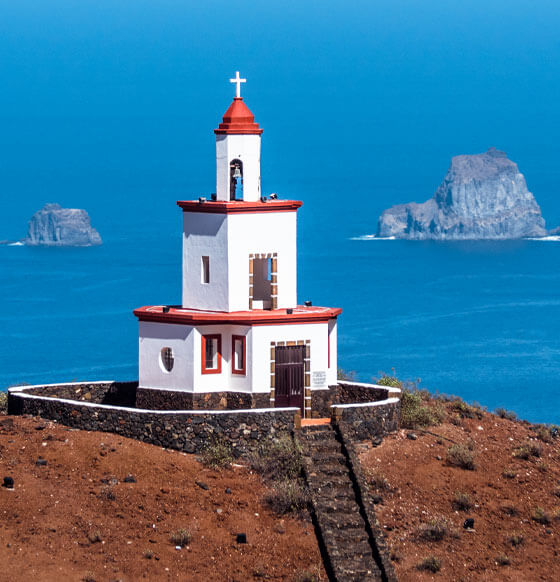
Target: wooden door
(289,374)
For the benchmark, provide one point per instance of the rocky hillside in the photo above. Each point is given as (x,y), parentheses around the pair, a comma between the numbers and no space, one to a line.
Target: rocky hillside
(467,495)
(482,196)
(57,226)
(96,507)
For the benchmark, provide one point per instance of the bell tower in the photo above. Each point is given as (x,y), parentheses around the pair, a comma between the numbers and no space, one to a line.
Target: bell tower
(238,152)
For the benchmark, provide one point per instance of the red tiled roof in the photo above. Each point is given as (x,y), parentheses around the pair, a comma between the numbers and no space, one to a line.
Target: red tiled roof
(238,119)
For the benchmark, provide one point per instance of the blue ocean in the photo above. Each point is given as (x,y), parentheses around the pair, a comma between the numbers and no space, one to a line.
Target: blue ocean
(111,107)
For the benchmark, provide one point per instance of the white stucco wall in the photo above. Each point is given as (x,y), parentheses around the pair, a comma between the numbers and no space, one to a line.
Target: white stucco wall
(271,232)
(228,240)
(317,333)
(205,234)
(186,343)
(152,338)
(333,339)
(226,380)
(246,148)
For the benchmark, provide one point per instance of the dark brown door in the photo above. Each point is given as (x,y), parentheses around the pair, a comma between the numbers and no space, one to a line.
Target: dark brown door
(289,376)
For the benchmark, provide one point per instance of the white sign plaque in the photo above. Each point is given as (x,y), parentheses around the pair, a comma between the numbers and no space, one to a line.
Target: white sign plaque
(319,378)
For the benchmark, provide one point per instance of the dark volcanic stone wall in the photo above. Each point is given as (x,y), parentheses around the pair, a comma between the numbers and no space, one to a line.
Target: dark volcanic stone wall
(344,393)
(184,431)
(365,422)
(115,393)
(175,400)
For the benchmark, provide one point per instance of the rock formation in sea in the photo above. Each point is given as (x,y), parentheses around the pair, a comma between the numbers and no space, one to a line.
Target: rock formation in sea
(57,226)
(482,196)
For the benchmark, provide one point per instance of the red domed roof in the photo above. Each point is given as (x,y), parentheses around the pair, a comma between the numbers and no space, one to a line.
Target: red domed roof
(238,119)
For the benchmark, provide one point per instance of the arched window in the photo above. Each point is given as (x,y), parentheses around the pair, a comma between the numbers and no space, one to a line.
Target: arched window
(167,359)
(236,180)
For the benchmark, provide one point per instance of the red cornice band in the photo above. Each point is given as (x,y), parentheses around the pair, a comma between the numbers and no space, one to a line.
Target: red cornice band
(299,315)
(239,207)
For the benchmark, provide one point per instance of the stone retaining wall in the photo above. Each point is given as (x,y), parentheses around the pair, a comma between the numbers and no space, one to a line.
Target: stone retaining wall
(370,419)
(241,419)
(347,393)
(188,431)
(176,400)
(115,393)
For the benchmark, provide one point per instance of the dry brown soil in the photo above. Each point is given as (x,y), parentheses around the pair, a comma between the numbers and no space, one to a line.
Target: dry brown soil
(422,486)
(76,518)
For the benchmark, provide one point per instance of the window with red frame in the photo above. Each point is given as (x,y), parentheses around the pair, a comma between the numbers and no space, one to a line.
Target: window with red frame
(211,354)
(238,355)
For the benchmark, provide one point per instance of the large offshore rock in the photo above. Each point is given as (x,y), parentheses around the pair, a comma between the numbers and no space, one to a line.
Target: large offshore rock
(54,225)
(482,196)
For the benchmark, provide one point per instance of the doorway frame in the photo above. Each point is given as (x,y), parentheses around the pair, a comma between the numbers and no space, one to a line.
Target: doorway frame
(307,373)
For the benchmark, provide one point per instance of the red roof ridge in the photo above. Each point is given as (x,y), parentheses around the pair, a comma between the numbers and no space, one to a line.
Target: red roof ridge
(238,119)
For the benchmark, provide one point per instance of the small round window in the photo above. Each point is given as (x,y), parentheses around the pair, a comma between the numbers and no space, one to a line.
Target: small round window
(167,359)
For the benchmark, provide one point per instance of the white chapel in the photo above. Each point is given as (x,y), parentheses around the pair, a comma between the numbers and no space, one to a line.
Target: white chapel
(239,339)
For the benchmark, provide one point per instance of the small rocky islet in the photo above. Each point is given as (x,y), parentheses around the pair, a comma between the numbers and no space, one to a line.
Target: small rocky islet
(57,226)
(482,196)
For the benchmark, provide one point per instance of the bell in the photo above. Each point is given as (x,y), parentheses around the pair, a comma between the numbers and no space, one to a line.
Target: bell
(237,172)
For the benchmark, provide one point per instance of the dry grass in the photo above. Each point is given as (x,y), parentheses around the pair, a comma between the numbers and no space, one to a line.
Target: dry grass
(435,530)
(182,537)
(430,564)
(461,456)
(462,502)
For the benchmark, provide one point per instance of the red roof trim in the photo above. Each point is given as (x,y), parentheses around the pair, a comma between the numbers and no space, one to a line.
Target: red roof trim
(238,119)
(240,207)
(299,315)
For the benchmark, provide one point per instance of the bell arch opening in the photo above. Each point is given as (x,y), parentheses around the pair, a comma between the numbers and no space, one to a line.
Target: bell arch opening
(236,180)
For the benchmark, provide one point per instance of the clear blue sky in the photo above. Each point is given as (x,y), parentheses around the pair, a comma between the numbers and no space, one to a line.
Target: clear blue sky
(110,105)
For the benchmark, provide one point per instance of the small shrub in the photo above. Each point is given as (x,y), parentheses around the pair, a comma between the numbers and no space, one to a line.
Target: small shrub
(507,414)
(543,433)
(148,554)
(289,496)
(464,410)
(540,516)
(3,403)
(529,449)
(461,456)
(106,493)
(395,555)
(462,502)
(515,539)
(278,460)
(509,473)
(391,381)
(416,414)
(181,537)
(217,454)
(522,453)
(556,491)
(542,466)
(88,577)
(503,560)
(510,510)
(435,530)
(535,449)
(379,482)
(94,537)
(430,564)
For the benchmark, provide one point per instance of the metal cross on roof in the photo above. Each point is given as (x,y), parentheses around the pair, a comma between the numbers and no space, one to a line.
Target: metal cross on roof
(238,82)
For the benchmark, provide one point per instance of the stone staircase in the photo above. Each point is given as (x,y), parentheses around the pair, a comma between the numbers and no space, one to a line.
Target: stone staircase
(349,536)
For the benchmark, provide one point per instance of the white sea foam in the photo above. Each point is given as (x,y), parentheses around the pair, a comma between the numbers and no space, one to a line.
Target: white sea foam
(16,244)
(552,238)
(372,237)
